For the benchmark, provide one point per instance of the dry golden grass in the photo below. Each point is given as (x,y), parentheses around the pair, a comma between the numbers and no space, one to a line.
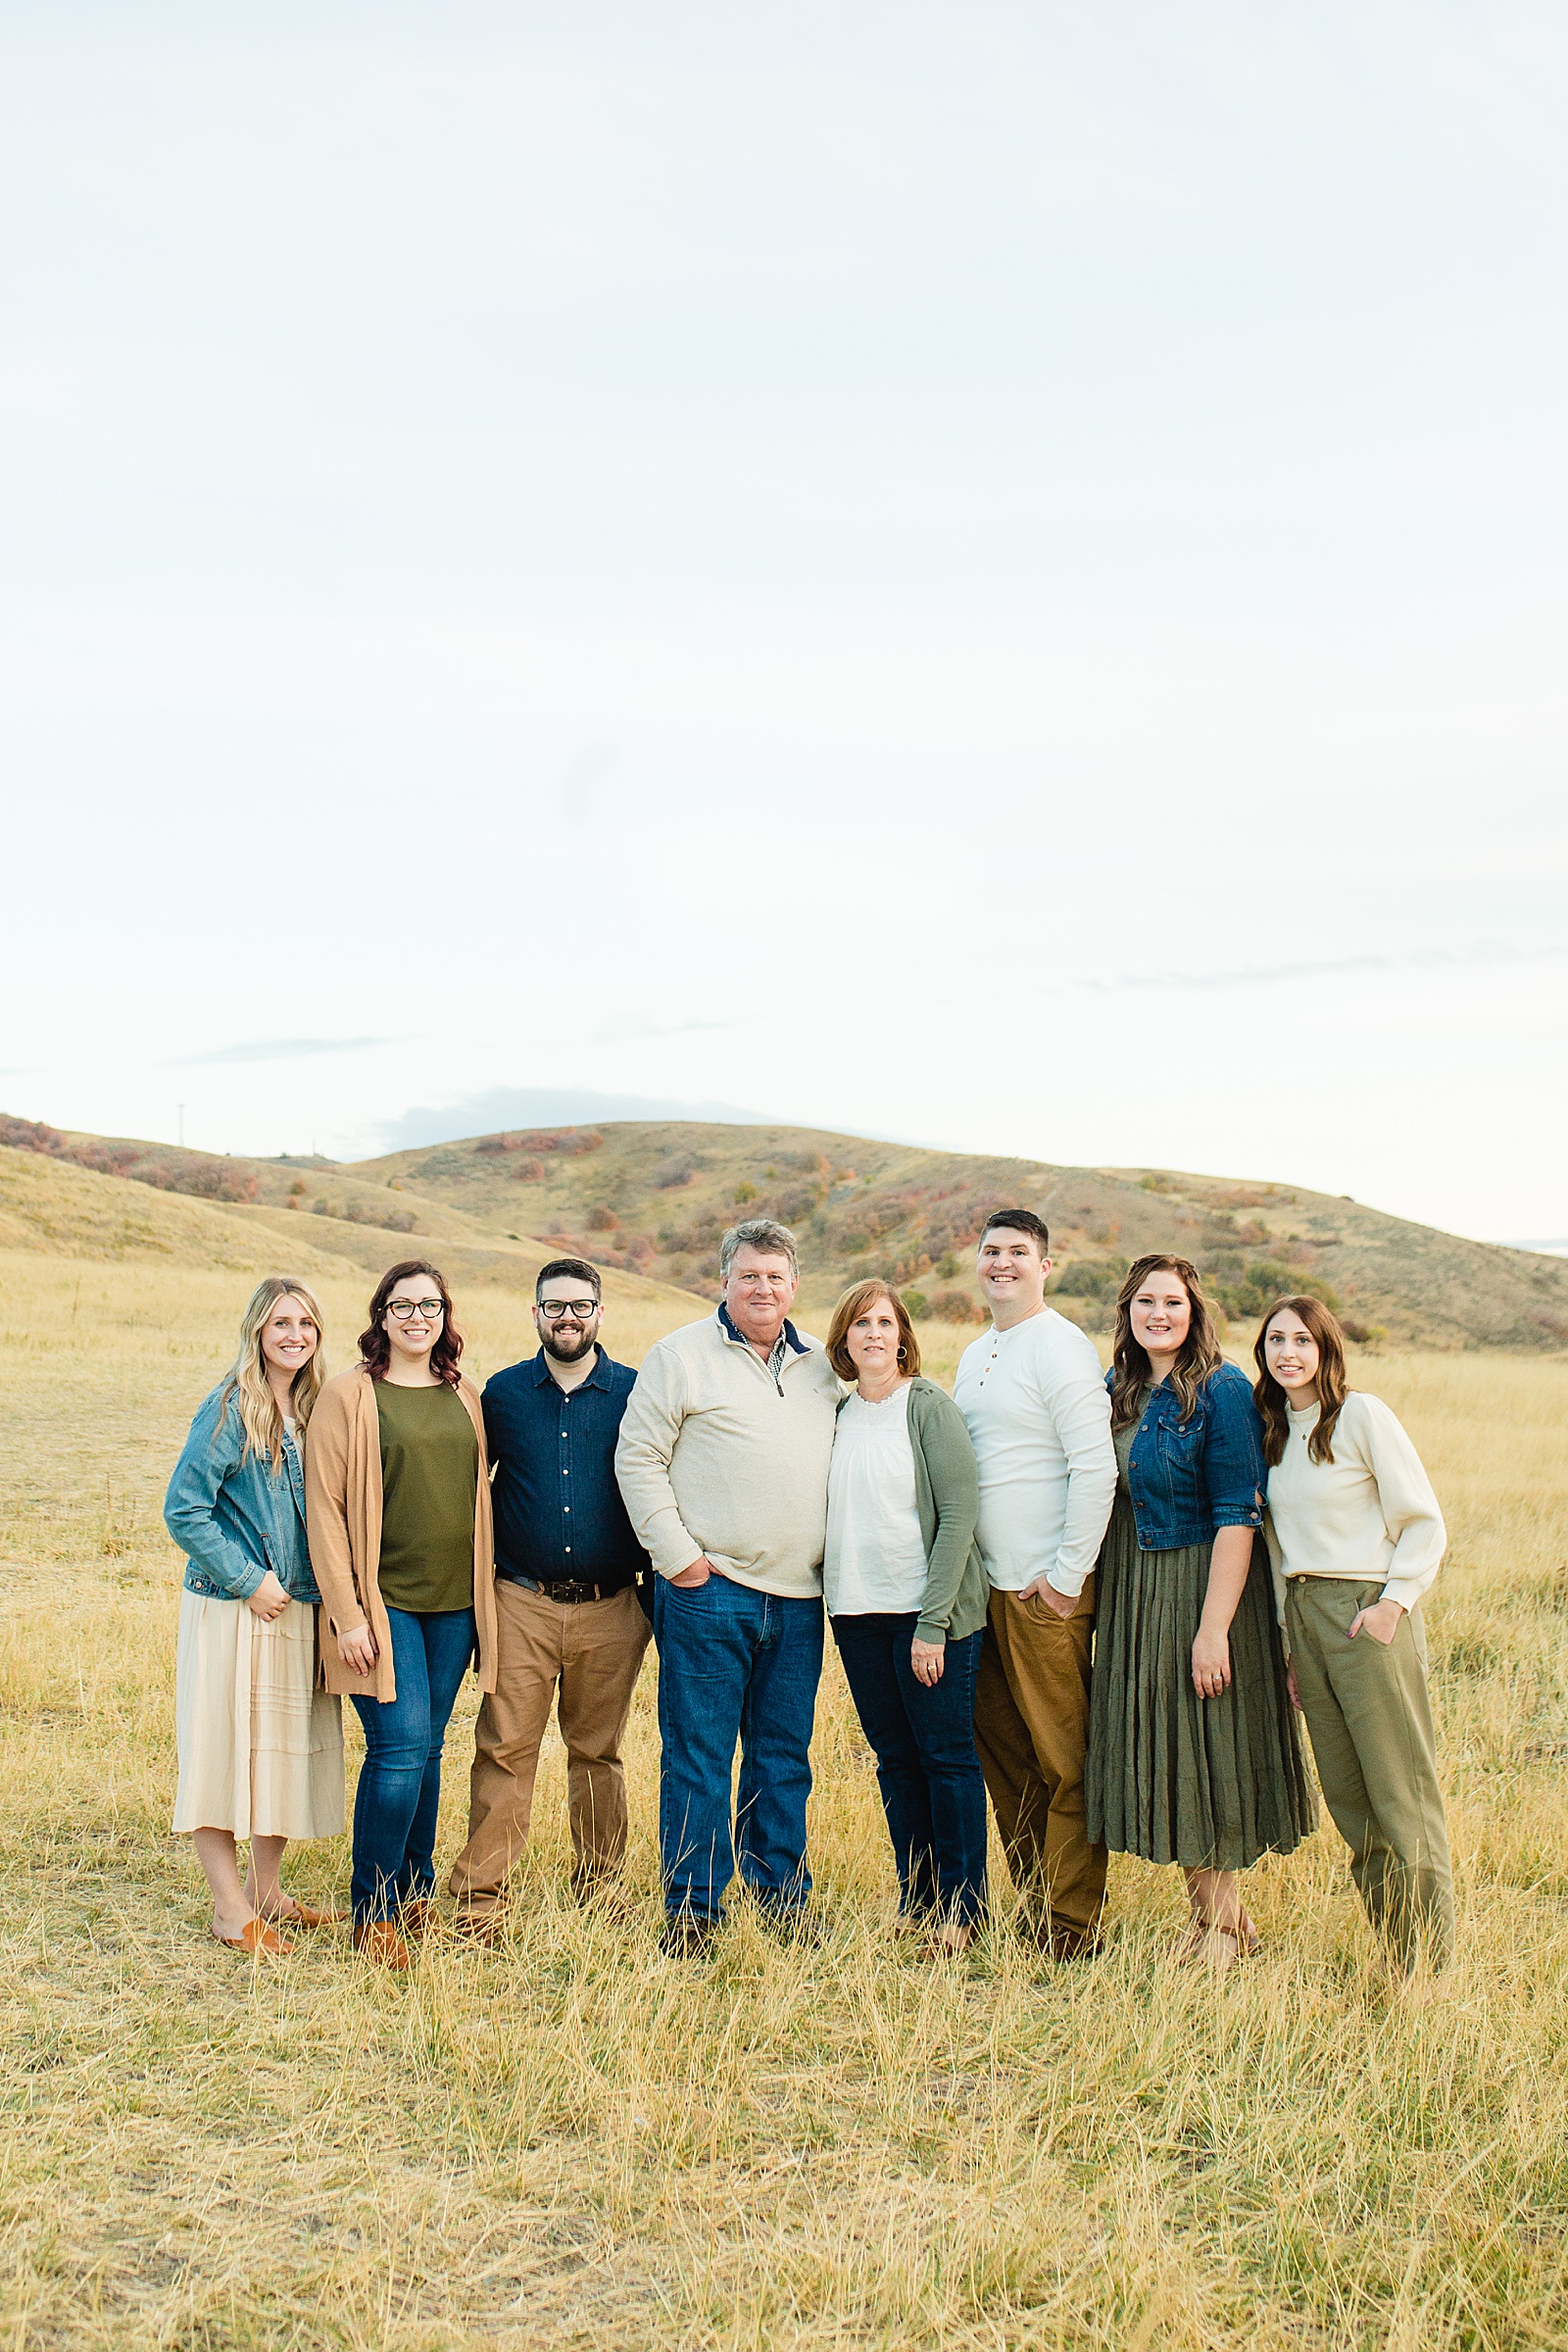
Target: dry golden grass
(571,2141)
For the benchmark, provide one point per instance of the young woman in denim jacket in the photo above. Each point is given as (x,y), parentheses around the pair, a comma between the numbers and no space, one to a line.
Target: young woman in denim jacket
(260,1748)
(1194,1752)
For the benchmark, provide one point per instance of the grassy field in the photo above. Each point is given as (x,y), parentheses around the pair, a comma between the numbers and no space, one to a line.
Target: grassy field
(570,2141)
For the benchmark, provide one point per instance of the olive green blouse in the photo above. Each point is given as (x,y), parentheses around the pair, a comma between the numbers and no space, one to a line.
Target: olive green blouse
(429,1476)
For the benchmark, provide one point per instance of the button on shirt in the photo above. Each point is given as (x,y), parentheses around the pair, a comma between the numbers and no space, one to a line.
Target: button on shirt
(557,1510)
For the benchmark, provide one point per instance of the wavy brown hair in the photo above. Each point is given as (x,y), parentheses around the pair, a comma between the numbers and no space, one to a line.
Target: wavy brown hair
(1198,1355)
(376,1348)
(853,1303)
(1333,1385)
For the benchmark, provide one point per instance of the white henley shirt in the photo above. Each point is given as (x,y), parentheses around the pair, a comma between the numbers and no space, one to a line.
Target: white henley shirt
(1039,1416)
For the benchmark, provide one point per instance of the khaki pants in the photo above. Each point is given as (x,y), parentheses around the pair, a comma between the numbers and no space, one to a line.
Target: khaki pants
(1031,1727)
(1367,1709)
(592,1651)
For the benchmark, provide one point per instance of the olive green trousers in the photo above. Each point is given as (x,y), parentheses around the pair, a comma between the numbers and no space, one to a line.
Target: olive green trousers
(1367,1710)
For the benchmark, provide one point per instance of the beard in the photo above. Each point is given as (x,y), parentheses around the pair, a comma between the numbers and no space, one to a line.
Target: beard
(567,1348)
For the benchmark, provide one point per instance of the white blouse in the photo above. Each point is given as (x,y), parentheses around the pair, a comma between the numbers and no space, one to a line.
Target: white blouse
(875,1555)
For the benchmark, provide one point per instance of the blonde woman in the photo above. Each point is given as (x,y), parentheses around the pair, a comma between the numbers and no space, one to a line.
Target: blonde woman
(1193,1753)
(1356,1538)
(260,1748)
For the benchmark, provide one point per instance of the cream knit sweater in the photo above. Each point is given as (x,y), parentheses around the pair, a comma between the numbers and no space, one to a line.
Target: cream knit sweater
(718,1458)
(1369,1515)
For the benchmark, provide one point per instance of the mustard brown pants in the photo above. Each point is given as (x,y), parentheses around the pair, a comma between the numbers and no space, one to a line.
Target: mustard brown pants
(1031,1727)
(1367,1710)
(584,1657)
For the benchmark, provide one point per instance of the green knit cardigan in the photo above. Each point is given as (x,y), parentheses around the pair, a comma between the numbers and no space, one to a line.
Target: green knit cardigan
(947,1498)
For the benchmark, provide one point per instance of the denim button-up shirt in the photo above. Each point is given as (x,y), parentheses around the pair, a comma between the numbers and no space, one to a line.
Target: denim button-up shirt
(234,1519)
(559,1513)
(1188,1478)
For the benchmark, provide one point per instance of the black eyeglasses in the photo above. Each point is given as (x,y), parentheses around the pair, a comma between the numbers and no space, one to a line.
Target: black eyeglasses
(428,1311)
(556,1310)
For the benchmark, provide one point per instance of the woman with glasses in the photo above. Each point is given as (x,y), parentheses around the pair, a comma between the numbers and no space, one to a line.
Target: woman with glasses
(260,1748)
(398,1492)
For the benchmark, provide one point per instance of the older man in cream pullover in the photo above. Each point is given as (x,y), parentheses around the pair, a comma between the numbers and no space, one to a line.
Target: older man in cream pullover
(722,1463)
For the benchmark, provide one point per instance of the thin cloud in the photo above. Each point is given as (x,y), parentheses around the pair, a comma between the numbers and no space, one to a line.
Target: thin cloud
(278,1049)
(618,1031)
(1269,975)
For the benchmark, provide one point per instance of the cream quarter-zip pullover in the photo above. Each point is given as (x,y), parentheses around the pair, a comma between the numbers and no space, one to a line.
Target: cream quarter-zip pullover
(1369,1515)
(720,1454)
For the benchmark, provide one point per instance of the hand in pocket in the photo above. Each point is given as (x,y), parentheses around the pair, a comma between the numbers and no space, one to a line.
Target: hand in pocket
(1380,1621)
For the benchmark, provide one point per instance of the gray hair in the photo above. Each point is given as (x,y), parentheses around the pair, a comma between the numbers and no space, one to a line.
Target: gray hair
(758,1233)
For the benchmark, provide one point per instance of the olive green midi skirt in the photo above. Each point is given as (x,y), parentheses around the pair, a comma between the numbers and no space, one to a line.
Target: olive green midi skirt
(1208,1783)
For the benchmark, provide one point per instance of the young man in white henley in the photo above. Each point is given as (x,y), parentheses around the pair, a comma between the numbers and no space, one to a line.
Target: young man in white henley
(1034,1396)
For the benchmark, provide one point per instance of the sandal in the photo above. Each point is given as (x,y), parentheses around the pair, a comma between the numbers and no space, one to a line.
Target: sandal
(255,1937)
(1219,1951)
(303,1915)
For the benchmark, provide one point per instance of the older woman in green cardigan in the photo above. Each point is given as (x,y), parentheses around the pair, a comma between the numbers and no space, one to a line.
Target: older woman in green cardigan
(907,1592)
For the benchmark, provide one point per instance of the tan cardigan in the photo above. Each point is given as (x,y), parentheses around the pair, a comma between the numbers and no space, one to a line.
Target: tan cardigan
(343,1513)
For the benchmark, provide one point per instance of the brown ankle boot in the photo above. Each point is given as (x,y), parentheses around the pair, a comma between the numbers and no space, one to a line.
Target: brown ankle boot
(378,1942)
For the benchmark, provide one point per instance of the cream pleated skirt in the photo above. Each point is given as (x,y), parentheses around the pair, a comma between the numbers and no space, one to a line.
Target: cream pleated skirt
(260,1748)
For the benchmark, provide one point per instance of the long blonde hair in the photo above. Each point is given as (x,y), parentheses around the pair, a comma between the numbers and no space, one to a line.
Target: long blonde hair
(247,1383)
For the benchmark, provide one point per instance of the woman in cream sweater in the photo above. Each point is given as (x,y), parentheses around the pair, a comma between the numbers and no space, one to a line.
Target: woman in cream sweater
(1356,1537)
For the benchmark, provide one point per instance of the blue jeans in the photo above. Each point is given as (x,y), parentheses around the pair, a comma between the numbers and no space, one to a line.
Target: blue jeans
(933,1792)
(399,1795)
(734,1664)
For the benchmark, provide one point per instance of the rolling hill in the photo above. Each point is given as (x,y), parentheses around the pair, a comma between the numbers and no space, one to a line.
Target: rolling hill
(648,1199)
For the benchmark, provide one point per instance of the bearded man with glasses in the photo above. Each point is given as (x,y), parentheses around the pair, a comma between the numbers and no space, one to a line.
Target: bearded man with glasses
(571,1621)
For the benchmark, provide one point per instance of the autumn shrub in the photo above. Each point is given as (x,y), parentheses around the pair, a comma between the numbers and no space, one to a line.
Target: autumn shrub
(203,1177)
(956,1306)
(30,1135)
(1091,1277)
(567,1141)
(1266,1280)
(602,1220)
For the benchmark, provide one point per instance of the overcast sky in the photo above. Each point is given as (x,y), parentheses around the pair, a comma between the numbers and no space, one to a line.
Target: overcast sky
(989,574)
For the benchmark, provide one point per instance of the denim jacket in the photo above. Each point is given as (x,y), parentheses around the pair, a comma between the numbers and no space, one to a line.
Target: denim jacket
(1189,1478)
(234,1519)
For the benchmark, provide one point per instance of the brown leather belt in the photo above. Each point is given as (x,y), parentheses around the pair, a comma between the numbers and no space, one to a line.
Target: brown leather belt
(566,1587)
